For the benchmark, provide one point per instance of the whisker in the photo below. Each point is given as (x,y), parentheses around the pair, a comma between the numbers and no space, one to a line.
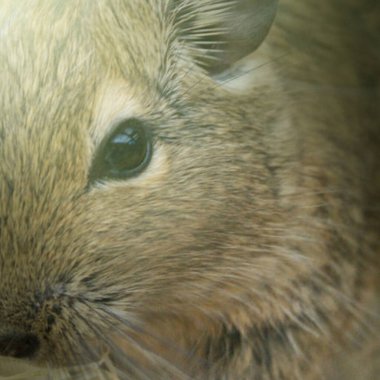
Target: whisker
(119,354)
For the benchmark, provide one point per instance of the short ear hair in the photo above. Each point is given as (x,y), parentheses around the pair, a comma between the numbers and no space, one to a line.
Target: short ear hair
(220,32)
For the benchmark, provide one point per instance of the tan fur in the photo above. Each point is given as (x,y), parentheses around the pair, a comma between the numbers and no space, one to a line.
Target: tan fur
(249,247)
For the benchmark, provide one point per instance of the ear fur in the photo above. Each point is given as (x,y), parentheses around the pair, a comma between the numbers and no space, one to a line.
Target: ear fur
(220,32)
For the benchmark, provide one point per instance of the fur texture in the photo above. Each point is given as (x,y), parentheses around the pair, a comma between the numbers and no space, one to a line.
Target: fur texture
(248,249)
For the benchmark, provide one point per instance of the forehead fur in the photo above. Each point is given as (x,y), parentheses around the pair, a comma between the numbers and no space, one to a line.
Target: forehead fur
(62,47)
(54,42)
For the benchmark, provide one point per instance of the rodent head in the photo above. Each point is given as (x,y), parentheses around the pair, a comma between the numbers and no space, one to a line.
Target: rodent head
(91,262)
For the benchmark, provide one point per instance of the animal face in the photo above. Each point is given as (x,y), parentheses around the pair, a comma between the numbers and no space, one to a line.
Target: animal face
(163,213)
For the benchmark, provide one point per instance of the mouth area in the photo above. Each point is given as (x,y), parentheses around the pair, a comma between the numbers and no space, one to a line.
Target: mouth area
(19,369)
(19,346)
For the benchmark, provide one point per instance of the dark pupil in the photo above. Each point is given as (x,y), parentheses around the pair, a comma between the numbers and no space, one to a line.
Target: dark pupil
(125,153)
(126,150)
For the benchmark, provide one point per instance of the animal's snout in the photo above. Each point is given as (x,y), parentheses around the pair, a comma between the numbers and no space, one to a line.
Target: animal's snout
(22,346)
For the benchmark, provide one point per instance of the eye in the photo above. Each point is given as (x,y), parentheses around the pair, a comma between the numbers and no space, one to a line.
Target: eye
(125,153)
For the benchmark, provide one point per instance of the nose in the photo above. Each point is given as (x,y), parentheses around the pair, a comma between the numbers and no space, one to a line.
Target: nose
(21,346)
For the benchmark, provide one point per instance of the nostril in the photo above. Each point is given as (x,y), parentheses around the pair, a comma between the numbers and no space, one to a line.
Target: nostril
(20,346)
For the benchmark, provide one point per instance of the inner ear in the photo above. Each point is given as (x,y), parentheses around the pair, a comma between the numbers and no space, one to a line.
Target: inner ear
(221,32)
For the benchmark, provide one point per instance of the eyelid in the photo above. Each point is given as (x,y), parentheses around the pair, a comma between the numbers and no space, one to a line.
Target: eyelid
(154,174)
(115,103)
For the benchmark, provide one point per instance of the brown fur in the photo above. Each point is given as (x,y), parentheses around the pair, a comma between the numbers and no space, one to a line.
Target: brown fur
(248,249)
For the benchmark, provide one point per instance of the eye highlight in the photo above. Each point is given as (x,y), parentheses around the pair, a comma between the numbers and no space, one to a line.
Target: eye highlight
(123,154)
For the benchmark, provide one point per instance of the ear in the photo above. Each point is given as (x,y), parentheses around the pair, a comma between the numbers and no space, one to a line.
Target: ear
(220,32)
